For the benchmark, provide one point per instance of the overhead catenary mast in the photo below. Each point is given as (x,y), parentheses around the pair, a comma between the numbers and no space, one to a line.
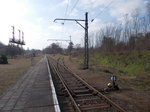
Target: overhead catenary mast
(86,50)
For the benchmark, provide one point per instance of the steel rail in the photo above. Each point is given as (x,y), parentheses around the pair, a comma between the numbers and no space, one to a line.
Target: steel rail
(66,88)
(118,108)
(106,99)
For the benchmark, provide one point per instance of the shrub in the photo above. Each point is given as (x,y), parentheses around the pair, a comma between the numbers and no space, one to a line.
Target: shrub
(3,59)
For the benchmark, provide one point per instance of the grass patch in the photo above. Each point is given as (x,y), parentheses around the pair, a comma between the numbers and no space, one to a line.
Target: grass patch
(132,63)
(135,66)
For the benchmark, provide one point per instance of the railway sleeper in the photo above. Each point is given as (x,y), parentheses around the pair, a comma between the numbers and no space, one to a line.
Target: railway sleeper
(78,88)
(73,87)
(92,102)
(93,107)
(84,95)
(87,99)
(84,91)
(94,93)
(74,84)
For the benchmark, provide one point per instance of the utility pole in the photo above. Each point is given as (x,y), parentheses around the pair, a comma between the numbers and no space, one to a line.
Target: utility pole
(86,50)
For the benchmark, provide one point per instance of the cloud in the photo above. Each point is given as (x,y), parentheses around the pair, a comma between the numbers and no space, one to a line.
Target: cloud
(12,9)
(40,19)
(35,24)
(86,4)
(59,5)
(122,7)
(74,13)
(116,8)
(95,25)
(10,12)
(56,28)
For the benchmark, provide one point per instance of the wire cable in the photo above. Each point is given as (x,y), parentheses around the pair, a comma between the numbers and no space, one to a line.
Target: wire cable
(102,11)
(73,7)
(67,8)
(66,11)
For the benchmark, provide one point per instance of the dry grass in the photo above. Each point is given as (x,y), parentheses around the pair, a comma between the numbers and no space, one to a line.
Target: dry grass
(11,72)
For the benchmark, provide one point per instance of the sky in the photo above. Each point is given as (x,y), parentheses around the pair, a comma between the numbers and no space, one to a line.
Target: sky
(36,18)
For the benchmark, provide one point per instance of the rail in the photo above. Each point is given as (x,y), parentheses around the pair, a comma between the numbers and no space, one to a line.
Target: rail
(83,96)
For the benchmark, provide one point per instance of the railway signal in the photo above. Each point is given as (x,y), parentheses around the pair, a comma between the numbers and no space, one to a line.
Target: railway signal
(13,40)
(86,49)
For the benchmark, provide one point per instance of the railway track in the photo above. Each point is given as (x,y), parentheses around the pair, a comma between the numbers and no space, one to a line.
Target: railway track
(76,94)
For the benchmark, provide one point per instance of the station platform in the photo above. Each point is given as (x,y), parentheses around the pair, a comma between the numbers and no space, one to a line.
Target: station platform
(33,92)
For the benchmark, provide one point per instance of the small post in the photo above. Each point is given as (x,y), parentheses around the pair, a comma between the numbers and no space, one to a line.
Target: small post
(113,79)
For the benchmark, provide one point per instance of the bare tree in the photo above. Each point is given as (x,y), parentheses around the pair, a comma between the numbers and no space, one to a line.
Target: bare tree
(148,15)
(135,22)
(118,31)
(108,44)
(91,40)
(54,48)
(70,47)
(126,33)
(148,10)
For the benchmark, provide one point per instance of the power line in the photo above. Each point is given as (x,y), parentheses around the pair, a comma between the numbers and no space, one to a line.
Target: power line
(67,8)
(102,10)
(66,11)
(70,10)
(89,11)
(73,7)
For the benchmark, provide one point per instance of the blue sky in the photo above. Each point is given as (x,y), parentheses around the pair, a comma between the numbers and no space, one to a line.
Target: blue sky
(35,18)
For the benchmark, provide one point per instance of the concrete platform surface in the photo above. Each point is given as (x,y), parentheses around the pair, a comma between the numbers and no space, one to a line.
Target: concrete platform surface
(31,93)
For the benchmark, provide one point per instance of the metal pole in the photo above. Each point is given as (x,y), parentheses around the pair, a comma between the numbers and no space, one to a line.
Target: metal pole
(86,51)
(13,32)
(22,36)
(19,35)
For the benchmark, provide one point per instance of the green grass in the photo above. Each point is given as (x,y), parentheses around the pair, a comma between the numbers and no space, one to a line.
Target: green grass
(132,63)
(135,66)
